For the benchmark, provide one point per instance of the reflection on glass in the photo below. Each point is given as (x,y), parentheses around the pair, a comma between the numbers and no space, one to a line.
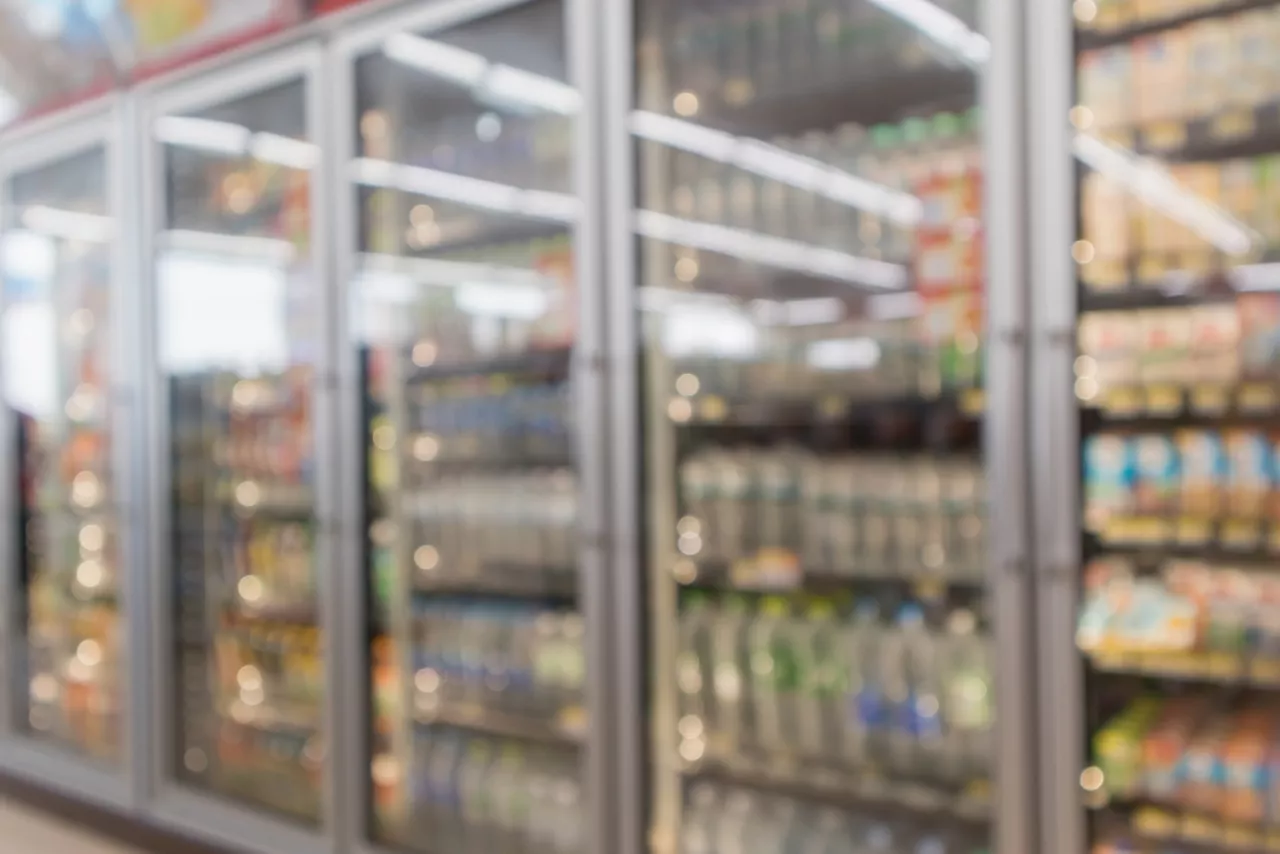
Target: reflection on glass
(236,321)
(1179,213)
(466,323)
(55,265)
(811,286)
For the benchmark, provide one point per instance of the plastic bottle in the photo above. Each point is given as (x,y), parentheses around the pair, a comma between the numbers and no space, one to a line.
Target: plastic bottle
(865,716)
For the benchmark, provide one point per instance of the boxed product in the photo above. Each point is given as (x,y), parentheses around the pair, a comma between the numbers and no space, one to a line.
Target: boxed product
(1214,346)
(1109,479)
(1165,336)
(1203,470)
(1249,470)
(1156,476)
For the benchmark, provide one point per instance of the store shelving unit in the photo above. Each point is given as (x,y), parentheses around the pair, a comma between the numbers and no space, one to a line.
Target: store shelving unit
(807,261)
(462,234)
(66,477)
(1181,275)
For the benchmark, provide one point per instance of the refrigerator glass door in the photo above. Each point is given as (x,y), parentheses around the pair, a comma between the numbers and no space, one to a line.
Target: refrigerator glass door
(238,333)
(56,250)
(812,286)
(1175,379)
(465,306)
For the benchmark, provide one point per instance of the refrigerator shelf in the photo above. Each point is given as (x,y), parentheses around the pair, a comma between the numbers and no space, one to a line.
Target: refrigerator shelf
(1207,539)
(969,805)
(723,577)
(817,411)
(531,365)
(568,729)
(1200,668)
(808,104)
(1187,831)
(508,581)
(1117,32)
(1245,131)
(283,615)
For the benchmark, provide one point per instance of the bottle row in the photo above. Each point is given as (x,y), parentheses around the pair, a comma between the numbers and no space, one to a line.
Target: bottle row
(907,692)
(1110,15)
(1183,73)
(928,170)
(1130,242)
(776,513)
(742,51)
(1215,756)
(474,795)
(865,360)
(1217,344)
(1203,474)
(516,658)
(1190,618)
(725,818)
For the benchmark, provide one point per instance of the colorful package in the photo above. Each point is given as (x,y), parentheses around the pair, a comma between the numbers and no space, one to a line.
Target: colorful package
(1249,472)
(1108,479)
(1156,476)
(1203,470)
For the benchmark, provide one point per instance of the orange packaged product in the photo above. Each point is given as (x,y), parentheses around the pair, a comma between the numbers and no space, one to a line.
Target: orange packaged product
(1244,758)
(1200,785)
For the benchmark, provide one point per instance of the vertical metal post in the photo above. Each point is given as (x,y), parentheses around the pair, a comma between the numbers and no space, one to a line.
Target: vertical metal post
(1054,435)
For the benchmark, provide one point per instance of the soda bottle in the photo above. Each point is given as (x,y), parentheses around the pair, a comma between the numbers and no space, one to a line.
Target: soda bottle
(825,671)
(693,660)
(730,722)
(776,675)
(699,828)
(968,698)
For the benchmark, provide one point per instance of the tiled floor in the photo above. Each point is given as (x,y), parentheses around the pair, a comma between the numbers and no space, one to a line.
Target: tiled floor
(24,829)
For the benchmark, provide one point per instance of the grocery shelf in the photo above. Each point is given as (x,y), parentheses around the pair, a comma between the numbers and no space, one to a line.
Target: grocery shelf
(1226,539)
(867,99)
(722,576)
(792,777)
(558,584)
(1194,668)
(532,365)
(1092,39)
(566,730)
(1185,831)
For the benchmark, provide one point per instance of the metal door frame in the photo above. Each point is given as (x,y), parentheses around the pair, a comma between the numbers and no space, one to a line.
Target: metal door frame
(580,19)
(172,803)
(103,123)
(1055,439)
(1004,441)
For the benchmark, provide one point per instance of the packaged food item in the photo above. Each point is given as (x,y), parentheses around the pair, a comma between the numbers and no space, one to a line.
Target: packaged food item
(1109,342)
(1244,760)
(1259,323)
(1106,210)
(1249,472)
(1109,479)
(1214,346)
(1254,58)
(1117,746)
(1203,768)
(1105,85)
(1166,743)
(1156,474)
(1165,336)
(1208,57)
(1203,472)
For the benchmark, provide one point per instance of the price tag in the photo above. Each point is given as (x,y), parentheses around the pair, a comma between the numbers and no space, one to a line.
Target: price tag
(1241,836)
(1164,136)
(1210,399)
(1256,397)
(833,406)
(1155,822)
(1201,828)
(1234,124)
(1193,532)
(713,408)
(1240,534)
(973,401)
(1122,402)
(1164,400)
(1152,268)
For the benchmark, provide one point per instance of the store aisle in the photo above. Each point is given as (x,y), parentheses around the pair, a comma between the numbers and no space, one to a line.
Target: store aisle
(25,829)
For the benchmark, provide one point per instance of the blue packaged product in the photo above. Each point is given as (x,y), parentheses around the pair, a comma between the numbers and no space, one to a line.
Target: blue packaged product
(1108,479)
(1248,472)
(1156,476)
(1203,472)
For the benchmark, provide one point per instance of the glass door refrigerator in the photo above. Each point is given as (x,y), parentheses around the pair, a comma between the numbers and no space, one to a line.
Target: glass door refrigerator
(241,492)
(1163,399)
(816,253)
(468,229)
(67,458)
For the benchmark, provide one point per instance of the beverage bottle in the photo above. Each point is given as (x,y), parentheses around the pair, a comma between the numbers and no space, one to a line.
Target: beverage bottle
(820,647)
(699,828)
(474,796)
(442,766)
(776,675)
(733,831)
(899,697)
(777,523)
(733,491)
(925,681)
(693,660)
(816,537)
(730,722)
(848,147)
(509,797)
(969,697)
(865,712)
(698,480)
